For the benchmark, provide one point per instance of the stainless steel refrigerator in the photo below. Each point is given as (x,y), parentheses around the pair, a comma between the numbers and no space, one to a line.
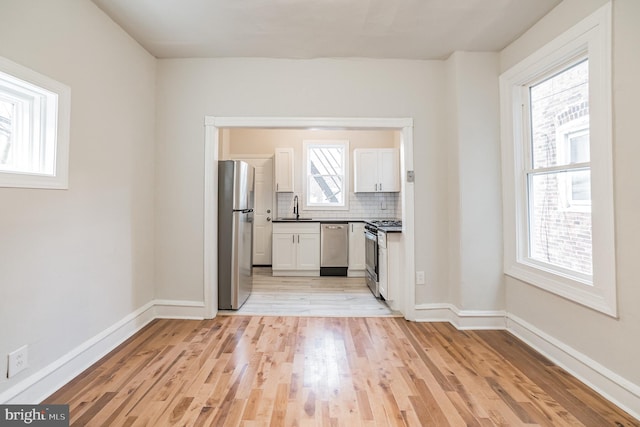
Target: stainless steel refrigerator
(235,233)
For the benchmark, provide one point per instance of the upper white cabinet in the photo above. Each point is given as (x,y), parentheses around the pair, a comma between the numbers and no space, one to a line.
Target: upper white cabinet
(376,170)
(283,166)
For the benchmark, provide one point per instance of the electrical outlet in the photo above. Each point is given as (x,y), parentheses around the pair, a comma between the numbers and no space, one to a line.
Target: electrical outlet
(419,277)
(17,361)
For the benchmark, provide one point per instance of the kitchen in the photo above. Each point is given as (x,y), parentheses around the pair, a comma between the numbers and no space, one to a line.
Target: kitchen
(292,207)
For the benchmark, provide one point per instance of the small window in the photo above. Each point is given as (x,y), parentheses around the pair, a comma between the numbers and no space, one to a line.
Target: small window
(34,129)
(326,174)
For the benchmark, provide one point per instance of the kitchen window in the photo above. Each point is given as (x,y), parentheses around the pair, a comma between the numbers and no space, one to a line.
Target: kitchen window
(557,166)
(326,172)
(34,129)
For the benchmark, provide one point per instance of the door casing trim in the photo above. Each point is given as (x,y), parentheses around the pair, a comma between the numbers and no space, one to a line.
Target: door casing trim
(213,125)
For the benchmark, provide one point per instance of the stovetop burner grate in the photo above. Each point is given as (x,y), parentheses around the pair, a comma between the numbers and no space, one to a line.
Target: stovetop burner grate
(386,223)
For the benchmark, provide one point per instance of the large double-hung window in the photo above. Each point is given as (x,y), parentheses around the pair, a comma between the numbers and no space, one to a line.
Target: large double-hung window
(557,166)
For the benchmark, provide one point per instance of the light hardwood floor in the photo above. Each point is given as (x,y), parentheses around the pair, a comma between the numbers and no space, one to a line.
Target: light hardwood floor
(328,371)
(310,296)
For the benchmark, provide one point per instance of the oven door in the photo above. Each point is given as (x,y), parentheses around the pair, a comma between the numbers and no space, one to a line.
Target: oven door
(371,261)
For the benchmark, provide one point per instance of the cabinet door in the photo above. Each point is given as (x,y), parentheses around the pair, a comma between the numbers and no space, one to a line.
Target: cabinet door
(388,170)
(308,251)
(284,251)
(365,171)
(283,166)
(356,246)
(383,272)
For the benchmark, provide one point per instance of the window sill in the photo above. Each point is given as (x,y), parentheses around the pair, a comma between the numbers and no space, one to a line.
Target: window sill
(23,180)
(572,289)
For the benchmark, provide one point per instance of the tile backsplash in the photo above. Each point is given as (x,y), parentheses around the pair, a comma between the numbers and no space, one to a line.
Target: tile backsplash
(361,206)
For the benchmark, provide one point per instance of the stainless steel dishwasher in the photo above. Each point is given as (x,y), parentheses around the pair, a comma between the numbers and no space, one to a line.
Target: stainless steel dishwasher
(334,249)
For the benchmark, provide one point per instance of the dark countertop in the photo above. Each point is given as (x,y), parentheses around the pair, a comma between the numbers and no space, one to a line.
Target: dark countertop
(325,220)
(334,221)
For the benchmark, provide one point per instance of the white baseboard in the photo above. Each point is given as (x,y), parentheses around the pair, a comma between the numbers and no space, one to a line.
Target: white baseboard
(461,319)
(295,273)
(47,380)
(356,273)
(175,309)
(610,385)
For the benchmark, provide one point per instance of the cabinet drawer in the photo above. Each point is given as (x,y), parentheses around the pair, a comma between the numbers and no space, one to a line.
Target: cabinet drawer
(296,228)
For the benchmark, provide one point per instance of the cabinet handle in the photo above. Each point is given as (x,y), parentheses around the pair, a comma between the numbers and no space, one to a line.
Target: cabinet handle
(293,238)
(380,186)
(376,187)
(277,186)
(298,238)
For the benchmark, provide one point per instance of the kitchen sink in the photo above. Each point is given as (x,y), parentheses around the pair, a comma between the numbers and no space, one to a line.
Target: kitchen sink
(294,219)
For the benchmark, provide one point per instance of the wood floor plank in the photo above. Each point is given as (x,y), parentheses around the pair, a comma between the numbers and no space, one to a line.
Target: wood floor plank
(328,371)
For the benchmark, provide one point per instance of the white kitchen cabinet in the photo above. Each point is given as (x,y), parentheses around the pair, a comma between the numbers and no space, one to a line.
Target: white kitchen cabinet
(283,255)
(283,166)
(376,170)
(383,273)
(296,249)
(357,264)
(390,271)
(308,252)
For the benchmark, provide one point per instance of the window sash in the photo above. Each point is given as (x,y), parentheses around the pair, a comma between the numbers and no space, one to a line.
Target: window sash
(530,171)
(331,170)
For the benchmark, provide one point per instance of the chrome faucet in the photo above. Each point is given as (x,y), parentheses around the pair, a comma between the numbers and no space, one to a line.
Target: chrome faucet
(296,208)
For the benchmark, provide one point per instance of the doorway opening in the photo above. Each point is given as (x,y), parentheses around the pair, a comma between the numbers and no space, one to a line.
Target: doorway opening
(214,140)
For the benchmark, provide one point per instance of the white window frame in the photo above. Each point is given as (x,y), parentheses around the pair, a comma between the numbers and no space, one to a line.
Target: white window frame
(306,145)
(42,128)
(592,38)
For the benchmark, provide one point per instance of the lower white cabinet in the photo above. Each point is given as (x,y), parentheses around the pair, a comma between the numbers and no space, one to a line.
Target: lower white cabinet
(383,274)
(390,267)
(296,249)
(357,264)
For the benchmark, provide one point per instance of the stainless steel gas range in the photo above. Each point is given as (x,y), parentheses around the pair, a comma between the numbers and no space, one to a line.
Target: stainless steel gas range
(371,230)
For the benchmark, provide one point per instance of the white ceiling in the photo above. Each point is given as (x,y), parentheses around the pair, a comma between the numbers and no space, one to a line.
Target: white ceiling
(411,29)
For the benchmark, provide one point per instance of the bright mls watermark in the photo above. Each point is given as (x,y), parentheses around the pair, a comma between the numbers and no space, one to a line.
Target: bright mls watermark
(34,415)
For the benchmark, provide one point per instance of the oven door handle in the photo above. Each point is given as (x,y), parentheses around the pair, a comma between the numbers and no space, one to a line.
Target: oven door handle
(370,236)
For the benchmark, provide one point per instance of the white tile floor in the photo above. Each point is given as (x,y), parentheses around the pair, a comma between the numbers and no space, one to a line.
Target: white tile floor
(311,296)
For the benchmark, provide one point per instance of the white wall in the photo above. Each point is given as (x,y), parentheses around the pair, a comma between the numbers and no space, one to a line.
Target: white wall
(189,89)
(475,222)
(612,343)
(74,262)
